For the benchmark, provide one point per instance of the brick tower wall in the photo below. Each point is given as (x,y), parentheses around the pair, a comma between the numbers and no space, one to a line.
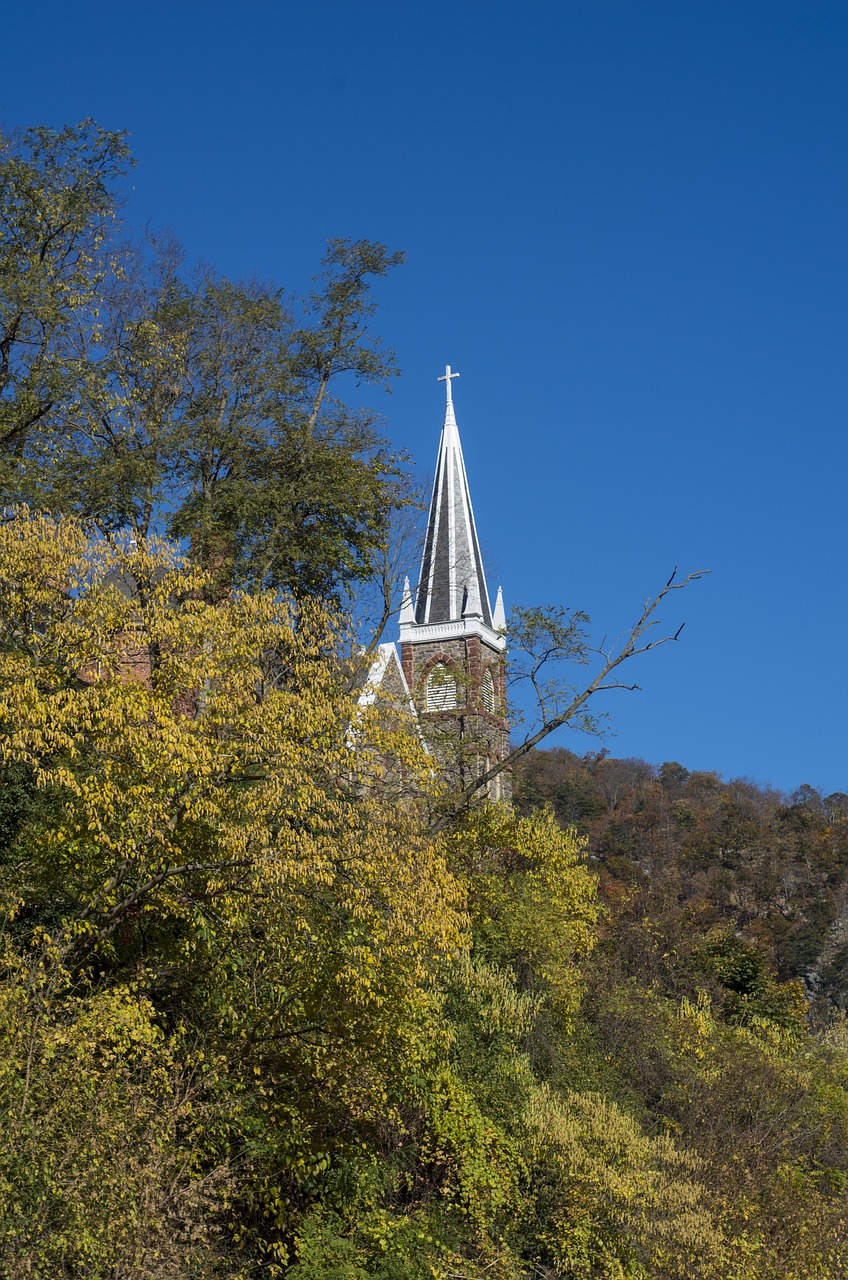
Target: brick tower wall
(463,738)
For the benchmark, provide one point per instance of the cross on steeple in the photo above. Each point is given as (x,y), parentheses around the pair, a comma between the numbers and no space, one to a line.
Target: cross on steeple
(446,379)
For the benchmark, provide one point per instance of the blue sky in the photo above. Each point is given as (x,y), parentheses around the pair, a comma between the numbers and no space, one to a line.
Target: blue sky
(626,228)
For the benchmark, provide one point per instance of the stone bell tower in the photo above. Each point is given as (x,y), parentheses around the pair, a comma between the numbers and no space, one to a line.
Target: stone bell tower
(452,643)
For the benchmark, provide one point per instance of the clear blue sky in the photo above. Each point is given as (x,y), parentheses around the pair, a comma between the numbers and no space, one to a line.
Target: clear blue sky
(627,227)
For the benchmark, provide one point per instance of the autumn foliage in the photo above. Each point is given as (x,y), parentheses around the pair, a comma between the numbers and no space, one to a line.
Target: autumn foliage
(256,1022)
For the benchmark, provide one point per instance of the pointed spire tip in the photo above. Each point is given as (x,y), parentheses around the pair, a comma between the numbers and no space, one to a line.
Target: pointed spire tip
(407,613)
(499,615)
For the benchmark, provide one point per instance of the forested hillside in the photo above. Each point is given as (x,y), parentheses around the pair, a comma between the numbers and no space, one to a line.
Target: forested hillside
(707,857)
(272,1002)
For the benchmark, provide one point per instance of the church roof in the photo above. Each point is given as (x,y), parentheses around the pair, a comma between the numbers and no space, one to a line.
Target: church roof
(452,584)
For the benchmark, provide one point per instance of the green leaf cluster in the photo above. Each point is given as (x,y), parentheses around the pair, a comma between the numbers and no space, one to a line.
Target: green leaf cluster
(142,395)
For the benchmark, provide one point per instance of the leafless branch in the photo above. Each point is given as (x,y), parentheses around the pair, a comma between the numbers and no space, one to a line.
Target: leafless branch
(634,645)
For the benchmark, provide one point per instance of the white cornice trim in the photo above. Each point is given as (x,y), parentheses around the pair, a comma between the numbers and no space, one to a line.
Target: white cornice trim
(434,631)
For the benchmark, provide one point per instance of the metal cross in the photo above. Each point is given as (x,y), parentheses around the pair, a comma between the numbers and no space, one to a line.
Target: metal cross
(446,379)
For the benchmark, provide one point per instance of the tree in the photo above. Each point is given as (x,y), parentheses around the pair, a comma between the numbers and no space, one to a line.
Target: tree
(175,401)
(57,205)
(285,481)
(212,851)
(201,414)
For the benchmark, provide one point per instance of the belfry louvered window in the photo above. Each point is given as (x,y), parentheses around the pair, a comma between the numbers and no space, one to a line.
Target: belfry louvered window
(488,692)
(441,688)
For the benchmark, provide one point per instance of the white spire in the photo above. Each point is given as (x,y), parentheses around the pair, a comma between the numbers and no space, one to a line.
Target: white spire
(499,616)
(452,598)
(452,583)
(407,613)
(473,605)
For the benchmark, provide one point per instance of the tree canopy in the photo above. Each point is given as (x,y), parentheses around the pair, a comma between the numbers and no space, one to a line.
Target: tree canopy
(145,396)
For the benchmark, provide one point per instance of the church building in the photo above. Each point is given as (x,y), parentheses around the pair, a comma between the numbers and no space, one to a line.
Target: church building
(452,641)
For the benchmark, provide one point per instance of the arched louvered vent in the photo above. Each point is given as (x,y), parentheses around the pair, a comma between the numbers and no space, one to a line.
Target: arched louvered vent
(441,688)
(488,692)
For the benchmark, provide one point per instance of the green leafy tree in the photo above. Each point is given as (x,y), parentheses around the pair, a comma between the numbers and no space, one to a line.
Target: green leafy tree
(57,205)
(143,396)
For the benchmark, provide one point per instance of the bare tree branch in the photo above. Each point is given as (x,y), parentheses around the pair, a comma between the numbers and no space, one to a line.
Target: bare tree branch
(633,645)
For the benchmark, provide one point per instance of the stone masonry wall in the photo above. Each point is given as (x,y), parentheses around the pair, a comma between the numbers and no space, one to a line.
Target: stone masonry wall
(464,738)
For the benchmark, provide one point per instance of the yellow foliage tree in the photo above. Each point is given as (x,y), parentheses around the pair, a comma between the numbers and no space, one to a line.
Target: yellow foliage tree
(533,901)
(202,821)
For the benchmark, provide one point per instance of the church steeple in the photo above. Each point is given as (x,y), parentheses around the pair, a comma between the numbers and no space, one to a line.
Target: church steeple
(452,586)
(452,644)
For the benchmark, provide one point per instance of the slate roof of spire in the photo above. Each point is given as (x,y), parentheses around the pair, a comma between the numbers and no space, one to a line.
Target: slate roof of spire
(452,584)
